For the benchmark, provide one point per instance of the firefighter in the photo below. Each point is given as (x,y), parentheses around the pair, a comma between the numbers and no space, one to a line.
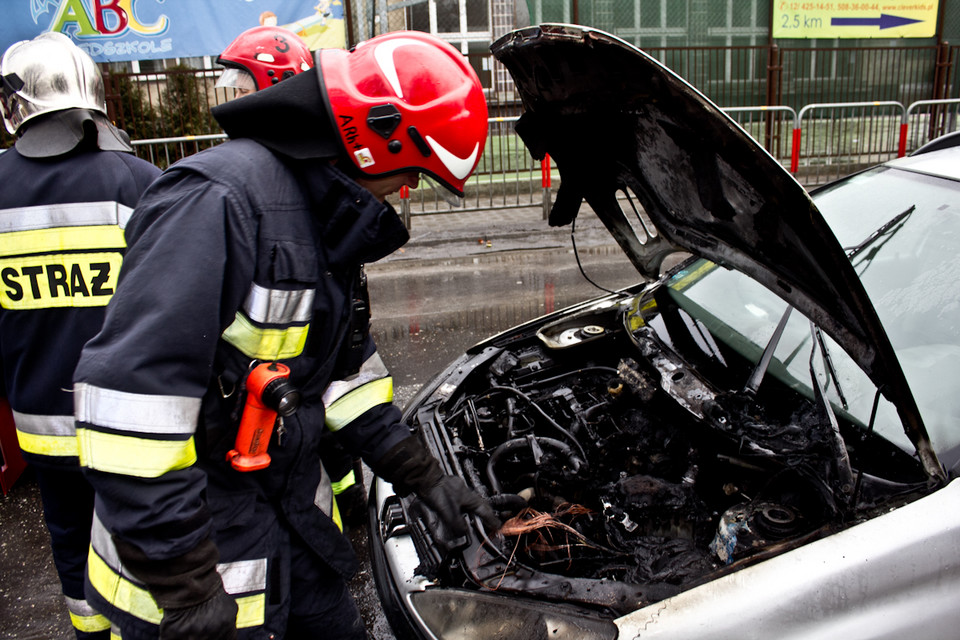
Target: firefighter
(259,58)
(69,185)
(250,253)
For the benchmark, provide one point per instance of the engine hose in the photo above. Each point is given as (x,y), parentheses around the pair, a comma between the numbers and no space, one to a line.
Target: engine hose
(470,470)
(507,502)
(524,443)
(553,423)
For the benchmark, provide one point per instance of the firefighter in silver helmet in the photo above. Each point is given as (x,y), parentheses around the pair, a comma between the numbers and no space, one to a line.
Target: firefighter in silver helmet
(61,245)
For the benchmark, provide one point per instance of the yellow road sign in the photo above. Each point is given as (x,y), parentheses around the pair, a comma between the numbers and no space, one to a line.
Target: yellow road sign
(846,19)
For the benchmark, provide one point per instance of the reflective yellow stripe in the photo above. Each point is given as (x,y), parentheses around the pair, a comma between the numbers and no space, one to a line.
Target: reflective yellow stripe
(349,407)
(265,344)
(344,483)
(120,592)
(115,634)
(62,280)
(137,601)
(48,445)
(373,368)
(18,243)
(251,610)
(89,624)
(138,457)
(84,617)
(335,515)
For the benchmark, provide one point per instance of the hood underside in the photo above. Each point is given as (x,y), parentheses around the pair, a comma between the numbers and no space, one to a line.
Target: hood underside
(616,121)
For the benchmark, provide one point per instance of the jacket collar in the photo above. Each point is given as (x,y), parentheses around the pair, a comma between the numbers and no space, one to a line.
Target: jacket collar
(355,227)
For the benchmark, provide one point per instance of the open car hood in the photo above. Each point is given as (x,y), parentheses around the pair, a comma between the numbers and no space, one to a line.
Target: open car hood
(616,120)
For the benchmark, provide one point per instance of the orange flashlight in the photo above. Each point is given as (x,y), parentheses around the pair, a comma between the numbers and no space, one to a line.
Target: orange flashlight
(270,396)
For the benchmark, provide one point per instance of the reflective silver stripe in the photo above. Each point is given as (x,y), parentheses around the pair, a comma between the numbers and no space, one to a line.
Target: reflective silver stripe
(80,607)
(102,543)
(73,214)
(135,412)
(44,425)
(372,369)
(243,576)
(278,306)
(323,497)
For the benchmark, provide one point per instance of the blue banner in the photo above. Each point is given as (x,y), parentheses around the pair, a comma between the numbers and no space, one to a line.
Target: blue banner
(120,30)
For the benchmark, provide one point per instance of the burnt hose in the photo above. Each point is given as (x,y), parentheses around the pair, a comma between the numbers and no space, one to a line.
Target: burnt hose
(529,442)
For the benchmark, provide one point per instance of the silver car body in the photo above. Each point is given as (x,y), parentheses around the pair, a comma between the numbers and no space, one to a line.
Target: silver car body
(615,119)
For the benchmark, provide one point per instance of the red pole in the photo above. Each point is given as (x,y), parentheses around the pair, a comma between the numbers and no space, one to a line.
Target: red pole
(902,147)
(795,151)
(404,192)
(545,171)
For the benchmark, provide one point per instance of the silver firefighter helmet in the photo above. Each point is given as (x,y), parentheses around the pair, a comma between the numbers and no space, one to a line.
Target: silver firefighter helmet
(48,73)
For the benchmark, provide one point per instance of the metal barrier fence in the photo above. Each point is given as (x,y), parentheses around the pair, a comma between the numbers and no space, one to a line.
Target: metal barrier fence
(925,120)
(165,151)
(506,177)
(820,143)
(773,126)
(851,136)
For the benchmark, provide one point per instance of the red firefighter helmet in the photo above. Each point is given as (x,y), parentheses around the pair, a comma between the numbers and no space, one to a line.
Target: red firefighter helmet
(406,101)
(269,54)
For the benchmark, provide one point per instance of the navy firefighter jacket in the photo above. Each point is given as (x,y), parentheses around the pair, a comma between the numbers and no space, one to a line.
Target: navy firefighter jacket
(236,256)
(61,245)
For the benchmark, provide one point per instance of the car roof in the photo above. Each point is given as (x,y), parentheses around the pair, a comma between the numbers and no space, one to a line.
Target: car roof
(942,163)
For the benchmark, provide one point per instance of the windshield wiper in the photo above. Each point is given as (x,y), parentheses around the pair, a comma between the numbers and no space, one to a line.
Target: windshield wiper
(828,365)
(756,377)
(853,252)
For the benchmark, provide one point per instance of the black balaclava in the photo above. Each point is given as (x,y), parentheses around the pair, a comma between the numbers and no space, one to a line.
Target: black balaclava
(290,118)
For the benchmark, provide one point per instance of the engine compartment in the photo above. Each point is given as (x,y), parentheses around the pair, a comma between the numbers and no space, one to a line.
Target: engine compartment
(613,462)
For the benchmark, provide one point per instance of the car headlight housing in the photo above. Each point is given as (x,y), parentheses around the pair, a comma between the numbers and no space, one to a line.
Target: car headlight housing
(466,615)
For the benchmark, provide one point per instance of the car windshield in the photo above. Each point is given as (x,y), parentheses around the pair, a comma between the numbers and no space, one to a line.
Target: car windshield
(901,231)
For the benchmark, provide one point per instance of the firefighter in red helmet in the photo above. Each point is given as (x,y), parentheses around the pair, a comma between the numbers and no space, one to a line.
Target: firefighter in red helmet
(422,108)
(247,253)
(261,57)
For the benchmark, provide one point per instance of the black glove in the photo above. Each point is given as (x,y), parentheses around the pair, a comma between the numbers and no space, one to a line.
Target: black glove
(410,468)
(188,589)
(215,619)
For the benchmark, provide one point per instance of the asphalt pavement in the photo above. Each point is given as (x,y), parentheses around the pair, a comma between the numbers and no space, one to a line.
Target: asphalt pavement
(30,602)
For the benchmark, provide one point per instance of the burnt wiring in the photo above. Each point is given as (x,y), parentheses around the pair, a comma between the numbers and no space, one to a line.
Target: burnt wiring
(539,529)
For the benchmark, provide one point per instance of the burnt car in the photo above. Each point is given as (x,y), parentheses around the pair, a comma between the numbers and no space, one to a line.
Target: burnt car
(759,441)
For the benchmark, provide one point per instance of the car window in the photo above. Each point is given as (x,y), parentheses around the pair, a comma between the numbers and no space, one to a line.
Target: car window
(910,271)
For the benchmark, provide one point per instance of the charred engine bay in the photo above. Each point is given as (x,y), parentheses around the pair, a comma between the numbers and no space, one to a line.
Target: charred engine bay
(624,478)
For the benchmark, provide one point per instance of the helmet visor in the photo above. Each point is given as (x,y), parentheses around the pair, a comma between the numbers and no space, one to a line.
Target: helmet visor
(448,196)
(237,79)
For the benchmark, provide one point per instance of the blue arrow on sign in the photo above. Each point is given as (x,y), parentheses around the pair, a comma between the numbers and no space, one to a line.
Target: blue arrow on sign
(884,22)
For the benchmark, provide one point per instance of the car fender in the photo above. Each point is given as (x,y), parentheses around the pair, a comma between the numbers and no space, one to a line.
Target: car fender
(895,576)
